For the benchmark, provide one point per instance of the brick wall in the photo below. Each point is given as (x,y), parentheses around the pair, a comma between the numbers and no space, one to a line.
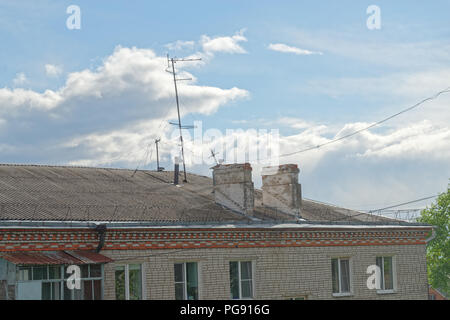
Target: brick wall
(279,272)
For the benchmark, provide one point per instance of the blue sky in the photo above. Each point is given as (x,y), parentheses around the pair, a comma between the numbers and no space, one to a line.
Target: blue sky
(97,96)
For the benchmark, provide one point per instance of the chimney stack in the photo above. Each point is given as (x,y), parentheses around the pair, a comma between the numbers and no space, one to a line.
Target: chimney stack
(233,187)
(280,188)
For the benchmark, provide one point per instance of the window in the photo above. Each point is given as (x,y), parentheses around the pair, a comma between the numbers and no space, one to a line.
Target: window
(340,271)
(387,273)
(47,283)
(128,282)
(186,281)
(241,280)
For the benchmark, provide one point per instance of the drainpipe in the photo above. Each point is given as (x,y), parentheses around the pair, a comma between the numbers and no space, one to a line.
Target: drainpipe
(101,229)
(433,235)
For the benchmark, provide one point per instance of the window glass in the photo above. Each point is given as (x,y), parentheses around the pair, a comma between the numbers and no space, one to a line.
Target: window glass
(46,291)
(345,275)
(335,275)
(191,281)
(97,289)
(179,273)
(67,292)
(95,270)
(234,280)
(40,273)
(379,262)
(24,274)
(246,287)
(179,291)
(87,289)
(84,271)
(120,282)
(78,294)
(54,272)
(246,270)
(135,282)
(388,274)
(56,290)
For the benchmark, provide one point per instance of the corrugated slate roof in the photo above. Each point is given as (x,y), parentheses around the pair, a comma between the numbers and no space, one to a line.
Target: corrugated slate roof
(57,193)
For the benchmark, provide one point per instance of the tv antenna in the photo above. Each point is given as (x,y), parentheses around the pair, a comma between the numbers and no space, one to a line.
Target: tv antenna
(158,168)
(172,61)
(213,155)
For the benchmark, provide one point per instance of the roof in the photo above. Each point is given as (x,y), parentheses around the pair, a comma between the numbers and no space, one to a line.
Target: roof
(62,193)
(55,257)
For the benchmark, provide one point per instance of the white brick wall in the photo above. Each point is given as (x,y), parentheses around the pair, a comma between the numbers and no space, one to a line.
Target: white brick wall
(279,272)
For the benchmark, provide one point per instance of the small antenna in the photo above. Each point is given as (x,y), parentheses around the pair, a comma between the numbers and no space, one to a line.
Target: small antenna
(172,61)
(158,168)
(213,155)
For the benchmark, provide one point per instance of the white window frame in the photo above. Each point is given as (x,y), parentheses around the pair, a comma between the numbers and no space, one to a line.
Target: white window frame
(252,263)
(184,282)
(350,276)
(394,274)
(127,279)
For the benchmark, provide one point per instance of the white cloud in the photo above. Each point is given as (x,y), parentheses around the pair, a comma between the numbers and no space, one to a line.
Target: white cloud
(180,45)
(98,111)
(224,44)
(53,70)
(280,47)
(387,52)
(20,79)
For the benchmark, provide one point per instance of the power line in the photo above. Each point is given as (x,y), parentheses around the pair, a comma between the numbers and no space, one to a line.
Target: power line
(366,128)
(393,206)
(402,204)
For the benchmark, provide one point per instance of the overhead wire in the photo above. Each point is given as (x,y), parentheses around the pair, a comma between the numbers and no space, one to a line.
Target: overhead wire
(447,90)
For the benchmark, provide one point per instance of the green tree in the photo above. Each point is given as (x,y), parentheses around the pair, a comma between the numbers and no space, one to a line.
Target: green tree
(438,250)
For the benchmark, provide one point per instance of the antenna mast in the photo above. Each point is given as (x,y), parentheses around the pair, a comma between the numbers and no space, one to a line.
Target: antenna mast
(158,168)
(173,61)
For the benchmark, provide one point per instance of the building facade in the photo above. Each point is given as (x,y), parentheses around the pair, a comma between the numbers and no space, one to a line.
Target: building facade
(142,237)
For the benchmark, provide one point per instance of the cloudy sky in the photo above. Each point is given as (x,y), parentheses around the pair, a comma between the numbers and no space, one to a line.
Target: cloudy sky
(99,95)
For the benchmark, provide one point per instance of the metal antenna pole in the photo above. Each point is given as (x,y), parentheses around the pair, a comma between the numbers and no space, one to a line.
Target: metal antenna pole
(179,118)
(213,155)
(172,60)
(157,154)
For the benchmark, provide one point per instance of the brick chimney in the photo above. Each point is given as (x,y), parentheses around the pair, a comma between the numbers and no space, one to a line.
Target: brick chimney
(281,189)
(233,187)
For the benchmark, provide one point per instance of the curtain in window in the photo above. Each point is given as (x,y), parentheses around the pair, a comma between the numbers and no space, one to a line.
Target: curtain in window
(135,281)
(335,275)
(345,275)
(120,283)
(388,274)
(246,279)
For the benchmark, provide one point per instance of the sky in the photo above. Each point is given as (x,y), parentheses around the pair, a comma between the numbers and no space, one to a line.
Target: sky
(99,95)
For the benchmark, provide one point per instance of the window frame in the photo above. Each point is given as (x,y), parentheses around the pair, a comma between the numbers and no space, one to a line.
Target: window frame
(394,274)
(350,277)
(184,282)
(127,279)
(252,264)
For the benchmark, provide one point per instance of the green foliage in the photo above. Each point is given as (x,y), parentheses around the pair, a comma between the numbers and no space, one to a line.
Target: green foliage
(438,250)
